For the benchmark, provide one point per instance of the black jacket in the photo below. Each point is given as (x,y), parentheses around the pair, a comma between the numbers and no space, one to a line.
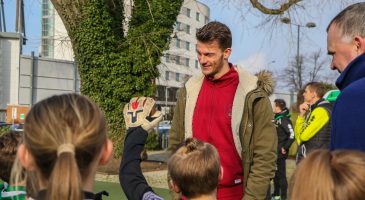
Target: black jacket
(131,178)
(321,140)
(284,129)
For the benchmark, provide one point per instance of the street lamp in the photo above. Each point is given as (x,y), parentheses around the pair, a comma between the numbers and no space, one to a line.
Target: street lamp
(166,96)
(287,20)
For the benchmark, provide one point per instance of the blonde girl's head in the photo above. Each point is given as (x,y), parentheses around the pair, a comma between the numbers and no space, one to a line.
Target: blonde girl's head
(64,137)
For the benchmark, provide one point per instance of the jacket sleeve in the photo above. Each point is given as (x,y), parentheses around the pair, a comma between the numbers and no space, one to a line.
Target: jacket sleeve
(131,178)
(318,118)
(264,151)
(177,131)
(288,128)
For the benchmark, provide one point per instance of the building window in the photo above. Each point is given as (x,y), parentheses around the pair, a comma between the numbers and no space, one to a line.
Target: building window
(182,27)
(197,16)
(196,64)
(177,43)
(178,77)
(188,29)
(187,62)
(167,75)
(178,26)
(187,45)
(206,20)
(185,11)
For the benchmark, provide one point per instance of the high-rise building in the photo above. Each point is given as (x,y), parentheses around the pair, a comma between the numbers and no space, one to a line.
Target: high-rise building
(177,64)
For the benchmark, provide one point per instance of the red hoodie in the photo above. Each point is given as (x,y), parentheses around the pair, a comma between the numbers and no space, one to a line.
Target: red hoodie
(212,123)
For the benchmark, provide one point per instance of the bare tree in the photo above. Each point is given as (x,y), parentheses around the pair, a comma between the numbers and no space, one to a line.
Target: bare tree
(317,65)
(293,75)
(306,69)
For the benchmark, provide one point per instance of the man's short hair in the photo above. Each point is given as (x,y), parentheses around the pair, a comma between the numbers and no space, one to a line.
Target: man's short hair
(280,103)
(195,168)
(317,87)
(215,31)
(9,143)
(351,20)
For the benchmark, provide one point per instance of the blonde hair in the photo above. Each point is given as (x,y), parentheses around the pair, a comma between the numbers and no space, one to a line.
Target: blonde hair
(195,168)
(325,175)
(68,119)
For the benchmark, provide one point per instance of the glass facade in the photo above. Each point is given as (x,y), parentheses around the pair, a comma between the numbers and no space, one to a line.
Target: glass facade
(47,29)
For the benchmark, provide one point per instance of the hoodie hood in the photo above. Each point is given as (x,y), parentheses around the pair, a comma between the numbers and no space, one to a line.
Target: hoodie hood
(353,72)
(265,81)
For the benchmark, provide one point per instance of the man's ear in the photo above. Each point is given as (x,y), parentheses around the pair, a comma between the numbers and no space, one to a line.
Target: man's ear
(106,152)
(221,173)
(25,158)
(360,43)
(227,53)
(174,187)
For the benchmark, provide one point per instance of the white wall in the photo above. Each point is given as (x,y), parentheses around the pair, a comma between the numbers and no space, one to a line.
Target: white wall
(10,49)
(62,43)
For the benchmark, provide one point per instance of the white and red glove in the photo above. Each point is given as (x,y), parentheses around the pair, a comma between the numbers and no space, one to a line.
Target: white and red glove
(140,111)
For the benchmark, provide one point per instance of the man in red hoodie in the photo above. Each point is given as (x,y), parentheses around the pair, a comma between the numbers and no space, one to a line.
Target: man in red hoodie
(228,108)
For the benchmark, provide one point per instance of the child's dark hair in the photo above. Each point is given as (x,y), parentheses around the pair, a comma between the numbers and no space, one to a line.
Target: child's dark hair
(280,103)
(195,168)
(9,143)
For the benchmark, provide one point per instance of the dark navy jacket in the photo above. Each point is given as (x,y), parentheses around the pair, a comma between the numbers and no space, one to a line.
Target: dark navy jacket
(348,119)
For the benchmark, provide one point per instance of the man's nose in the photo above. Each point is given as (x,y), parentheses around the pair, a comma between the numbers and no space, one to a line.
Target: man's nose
(333,66)
(202,59)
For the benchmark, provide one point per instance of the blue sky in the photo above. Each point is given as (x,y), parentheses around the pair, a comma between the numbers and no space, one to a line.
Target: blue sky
(254,47)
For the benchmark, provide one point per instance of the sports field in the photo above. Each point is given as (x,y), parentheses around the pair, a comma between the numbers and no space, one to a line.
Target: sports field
(116,193)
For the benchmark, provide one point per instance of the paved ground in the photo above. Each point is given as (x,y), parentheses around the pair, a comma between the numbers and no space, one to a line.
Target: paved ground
(158,178)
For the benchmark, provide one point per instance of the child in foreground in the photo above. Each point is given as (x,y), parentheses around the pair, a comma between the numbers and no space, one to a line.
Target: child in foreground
(329,175)
(65,140)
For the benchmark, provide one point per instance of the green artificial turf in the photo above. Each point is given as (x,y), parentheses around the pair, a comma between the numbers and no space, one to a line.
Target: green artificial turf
(116,193)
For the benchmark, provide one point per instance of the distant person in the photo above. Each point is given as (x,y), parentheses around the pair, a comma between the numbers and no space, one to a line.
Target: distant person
(64,142)
(9,143)
(194,168)
(346,45)
(230,109)
(326,175)
(284,129)
(313,125)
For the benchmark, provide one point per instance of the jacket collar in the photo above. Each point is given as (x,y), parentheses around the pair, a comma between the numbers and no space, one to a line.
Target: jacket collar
(353,72)
(320,101)
(283,113)
(247,83)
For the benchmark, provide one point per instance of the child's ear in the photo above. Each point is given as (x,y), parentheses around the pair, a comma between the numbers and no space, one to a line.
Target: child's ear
(106,152)
(25,158)
(174,187)
(221,173)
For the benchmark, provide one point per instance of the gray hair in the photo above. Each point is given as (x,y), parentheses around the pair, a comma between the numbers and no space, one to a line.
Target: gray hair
(351,20)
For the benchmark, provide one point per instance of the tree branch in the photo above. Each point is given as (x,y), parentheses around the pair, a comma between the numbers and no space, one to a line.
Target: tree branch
(269,11)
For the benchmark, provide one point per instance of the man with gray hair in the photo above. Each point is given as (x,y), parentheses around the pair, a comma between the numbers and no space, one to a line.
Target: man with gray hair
(346,45)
